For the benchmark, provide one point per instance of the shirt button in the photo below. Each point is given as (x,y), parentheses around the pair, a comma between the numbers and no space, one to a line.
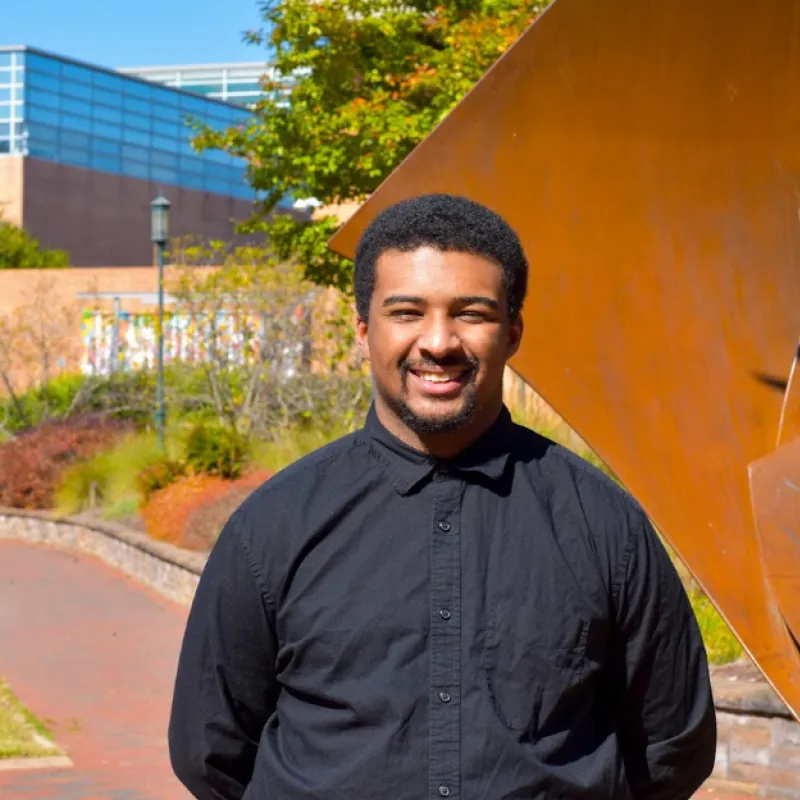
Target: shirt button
(444,791)
(444,697)
(445,614)
(444,525)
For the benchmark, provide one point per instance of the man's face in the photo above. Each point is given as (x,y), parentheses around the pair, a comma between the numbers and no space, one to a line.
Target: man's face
(438,338)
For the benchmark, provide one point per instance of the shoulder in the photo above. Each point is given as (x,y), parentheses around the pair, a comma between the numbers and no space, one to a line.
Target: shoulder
(581,491)
(328,464)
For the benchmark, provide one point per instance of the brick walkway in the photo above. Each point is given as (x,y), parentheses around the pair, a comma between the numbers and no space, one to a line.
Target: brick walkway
(94,654)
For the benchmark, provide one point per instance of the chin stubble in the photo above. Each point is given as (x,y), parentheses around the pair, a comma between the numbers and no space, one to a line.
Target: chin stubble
(435,423)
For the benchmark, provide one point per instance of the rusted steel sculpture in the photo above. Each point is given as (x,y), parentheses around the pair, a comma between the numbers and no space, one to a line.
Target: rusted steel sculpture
(649,154)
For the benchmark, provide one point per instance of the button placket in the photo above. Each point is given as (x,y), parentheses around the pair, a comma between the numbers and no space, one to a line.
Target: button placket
(445,652)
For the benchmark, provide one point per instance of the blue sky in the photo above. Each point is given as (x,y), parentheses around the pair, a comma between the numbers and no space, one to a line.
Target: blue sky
(115,33)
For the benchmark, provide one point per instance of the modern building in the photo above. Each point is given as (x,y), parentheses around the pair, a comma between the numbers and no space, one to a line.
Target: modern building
(239,84)
(83,151)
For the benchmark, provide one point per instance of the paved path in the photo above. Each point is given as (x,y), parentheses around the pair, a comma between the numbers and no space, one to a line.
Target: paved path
(94,654)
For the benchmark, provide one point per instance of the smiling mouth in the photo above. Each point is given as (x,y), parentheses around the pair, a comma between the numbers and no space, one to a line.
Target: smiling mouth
(442,382)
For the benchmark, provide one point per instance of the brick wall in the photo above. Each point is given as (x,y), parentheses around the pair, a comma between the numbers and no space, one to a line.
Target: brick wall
(758,746)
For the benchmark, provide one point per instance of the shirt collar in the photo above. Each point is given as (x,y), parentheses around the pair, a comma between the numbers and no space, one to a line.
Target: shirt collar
(487,456)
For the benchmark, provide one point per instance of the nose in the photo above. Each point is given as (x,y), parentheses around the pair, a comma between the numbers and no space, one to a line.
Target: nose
(438,336)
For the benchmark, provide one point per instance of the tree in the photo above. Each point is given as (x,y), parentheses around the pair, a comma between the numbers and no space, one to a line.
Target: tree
(368,80)
(19,250)
(262,339)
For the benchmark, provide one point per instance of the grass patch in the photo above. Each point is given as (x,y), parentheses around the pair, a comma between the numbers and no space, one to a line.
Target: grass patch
(109,480)
(22,735)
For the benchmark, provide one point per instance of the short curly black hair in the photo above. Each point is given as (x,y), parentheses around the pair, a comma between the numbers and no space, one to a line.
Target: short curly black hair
(448,223)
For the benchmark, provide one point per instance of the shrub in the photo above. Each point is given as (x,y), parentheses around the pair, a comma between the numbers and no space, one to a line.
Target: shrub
(161,473)
(31,465)
(171,512)
(215,450)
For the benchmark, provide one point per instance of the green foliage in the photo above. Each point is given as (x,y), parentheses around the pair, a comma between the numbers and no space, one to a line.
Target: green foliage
(160,474)
(19,250)
(109,479)
(370,79)
(722,646)
(216,450)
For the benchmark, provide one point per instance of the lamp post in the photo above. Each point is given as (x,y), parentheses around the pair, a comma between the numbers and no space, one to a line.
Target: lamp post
(159,228)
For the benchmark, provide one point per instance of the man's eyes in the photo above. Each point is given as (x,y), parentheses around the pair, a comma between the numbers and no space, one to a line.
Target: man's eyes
(413,313)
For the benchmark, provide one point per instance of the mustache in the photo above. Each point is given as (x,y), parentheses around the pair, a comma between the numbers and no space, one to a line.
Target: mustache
(466,362)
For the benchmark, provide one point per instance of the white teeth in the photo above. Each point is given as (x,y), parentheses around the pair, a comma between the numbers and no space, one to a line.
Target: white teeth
(436,377)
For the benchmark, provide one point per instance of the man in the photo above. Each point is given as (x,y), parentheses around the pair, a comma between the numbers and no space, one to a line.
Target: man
(443,604)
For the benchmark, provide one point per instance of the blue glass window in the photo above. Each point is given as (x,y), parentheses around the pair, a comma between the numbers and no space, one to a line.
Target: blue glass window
(142,89)
(165,143)
(135,152)
(49,65)
(107,146)
(163,174)
(44,133)
(137,106)
(134,120)
(75,72)
(5,59)
(5,130)
(108,81)
(162,159)
(75,139)
(106,163)
(76,123)
(5,94)
(107,97)
(107,114)
(74,89)
(38,114)
(43,150)
(73,106)
(109,131)
(136,137)
(38,80)
(135,169)
(78,158)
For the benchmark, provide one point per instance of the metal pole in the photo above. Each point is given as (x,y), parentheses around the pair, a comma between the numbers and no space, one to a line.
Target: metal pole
(160,412)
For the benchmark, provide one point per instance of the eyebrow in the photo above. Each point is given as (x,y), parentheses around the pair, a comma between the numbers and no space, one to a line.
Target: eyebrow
(469,300)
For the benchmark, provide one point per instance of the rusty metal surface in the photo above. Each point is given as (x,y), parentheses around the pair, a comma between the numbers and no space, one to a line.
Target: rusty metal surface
(649,155)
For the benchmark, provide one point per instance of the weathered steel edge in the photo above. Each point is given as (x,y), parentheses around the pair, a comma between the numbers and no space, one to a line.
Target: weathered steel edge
(130,551)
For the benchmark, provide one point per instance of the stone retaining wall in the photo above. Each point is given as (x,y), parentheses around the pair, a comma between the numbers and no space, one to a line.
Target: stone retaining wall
(167,569)
(758,751)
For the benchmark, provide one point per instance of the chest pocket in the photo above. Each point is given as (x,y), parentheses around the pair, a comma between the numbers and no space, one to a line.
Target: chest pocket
(536,668)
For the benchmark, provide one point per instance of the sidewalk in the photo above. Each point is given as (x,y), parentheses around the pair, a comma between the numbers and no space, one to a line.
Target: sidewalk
(93,654)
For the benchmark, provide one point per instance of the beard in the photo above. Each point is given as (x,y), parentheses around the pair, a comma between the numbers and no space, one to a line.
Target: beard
(430,423)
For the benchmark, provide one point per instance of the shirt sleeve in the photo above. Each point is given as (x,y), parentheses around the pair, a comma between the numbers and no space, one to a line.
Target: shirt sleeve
(666,721)
(225,689)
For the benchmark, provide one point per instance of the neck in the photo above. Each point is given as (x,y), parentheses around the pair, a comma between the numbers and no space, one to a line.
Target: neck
(445,444)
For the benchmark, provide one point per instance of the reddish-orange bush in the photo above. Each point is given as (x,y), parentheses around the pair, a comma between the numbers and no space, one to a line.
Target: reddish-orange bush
(191,511)
(32,463)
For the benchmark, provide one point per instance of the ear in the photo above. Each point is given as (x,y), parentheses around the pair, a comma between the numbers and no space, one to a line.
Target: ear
(361,328)
(515,330)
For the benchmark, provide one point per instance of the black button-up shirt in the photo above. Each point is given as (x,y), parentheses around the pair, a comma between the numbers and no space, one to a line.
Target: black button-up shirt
(374,623)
